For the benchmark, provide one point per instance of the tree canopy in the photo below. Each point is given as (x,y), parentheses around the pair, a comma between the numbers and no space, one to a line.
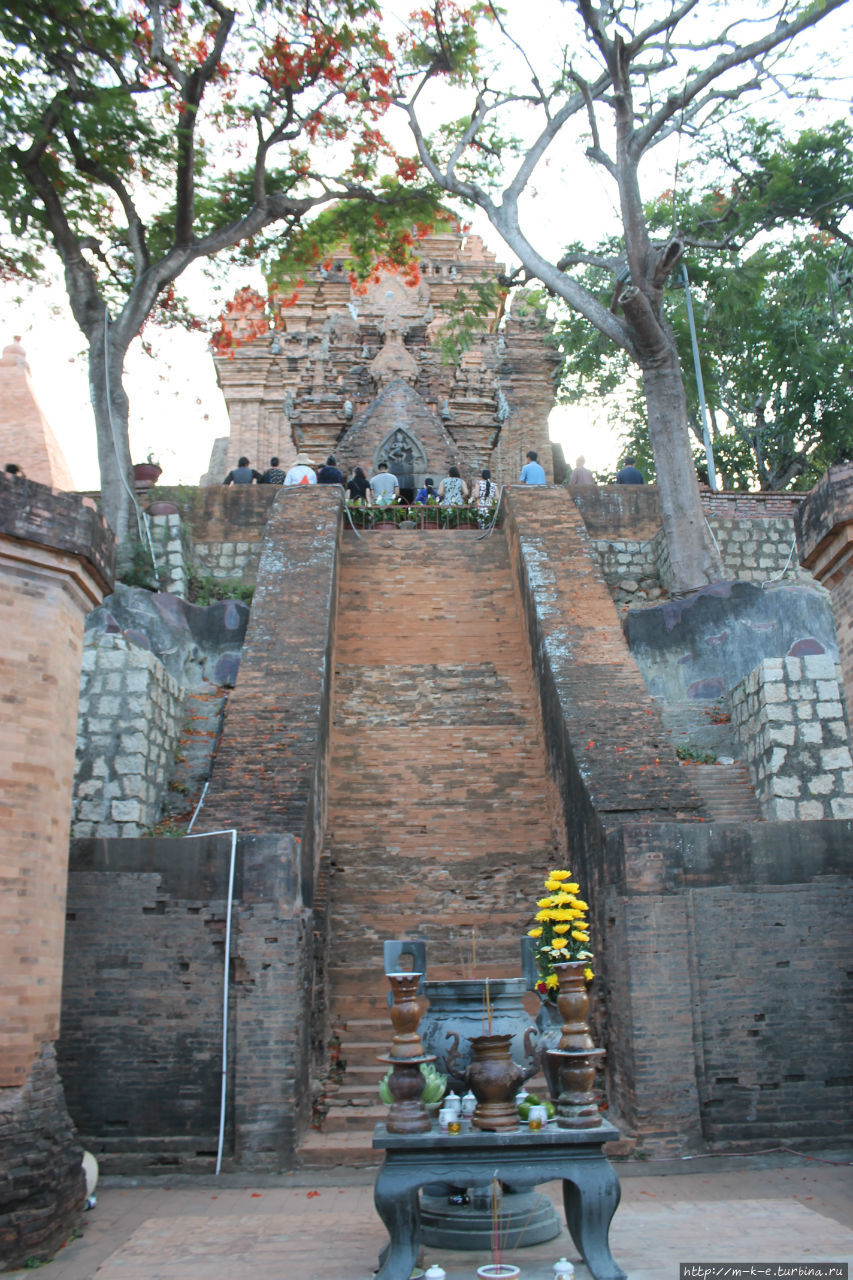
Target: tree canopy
(627,78)
(140,138)
(771,269)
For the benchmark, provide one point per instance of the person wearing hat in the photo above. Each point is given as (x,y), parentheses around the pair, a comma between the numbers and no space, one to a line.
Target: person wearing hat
(302,471)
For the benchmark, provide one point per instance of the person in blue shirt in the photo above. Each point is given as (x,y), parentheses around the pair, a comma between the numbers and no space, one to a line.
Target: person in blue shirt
(533,472)
(629,473)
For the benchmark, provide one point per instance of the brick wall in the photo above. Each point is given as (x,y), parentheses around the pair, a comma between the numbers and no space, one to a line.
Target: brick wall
(789,717)
(601,725)
(130,719)
(825,535)
(51,574)
(726,959)
(272,764)
(146,933)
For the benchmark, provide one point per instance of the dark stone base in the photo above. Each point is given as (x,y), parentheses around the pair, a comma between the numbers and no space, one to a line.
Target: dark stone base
(42,1187)
(526,1218)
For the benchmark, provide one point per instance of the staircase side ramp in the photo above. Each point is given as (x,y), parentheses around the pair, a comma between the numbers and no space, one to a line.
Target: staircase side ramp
(270,772)
(603,729)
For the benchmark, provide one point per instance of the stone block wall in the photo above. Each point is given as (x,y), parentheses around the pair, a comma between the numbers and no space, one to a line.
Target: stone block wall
(128,728)
(759,548)
(168,541)
(226,560)
(788,715)
(753,549)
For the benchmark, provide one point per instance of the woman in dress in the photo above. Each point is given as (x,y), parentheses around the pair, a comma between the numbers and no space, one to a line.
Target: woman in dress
(485,496)
(358,490)
(453,491)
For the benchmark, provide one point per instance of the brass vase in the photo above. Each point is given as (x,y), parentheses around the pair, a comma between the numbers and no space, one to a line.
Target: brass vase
(573,1003)
(494,1080)
(570,1067)
(405,1015)
(407,1113)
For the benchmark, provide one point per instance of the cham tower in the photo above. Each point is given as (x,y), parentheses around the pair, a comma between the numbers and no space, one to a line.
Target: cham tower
(25,434)
(359,373)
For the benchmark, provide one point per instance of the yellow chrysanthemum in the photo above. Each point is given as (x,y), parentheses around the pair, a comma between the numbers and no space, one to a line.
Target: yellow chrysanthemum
(588,974)
(580,937)
(575,914)
(571,888)
(545,902)
(559,943)
(552,981)
(584,906)
(559,875)
(534,933)
(553,886)
(561,928)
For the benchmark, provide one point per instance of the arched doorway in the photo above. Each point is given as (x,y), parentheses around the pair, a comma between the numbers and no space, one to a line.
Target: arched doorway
(406,458)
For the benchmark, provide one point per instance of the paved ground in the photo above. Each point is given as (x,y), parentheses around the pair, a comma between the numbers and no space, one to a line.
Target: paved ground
(775,1208)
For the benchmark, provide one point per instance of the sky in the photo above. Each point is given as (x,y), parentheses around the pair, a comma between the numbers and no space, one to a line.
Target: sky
(177,410)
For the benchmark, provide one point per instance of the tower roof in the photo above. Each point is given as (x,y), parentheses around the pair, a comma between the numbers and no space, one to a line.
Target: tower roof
(26,437)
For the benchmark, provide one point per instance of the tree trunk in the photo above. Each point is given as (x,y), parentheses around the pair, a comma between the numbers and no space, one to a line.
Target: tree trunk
(110,406)
(694,559)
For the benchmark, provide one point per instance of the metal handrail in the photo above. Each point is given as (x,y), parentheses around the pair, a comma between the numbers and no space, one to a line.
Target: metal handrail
(424,515)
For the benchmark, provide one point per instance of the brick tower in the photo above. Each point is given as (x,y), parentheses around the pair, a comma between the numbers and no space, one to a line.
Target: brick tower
(26,438)
(56,562)
(361,373)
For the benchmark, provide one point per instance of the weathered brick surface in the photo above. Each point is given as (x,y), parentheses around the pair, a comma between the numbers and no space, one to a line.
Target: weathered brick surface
(633,511)
(45,592)
(25,434)
(825,534)
(443,818)
(42,1187)
(64,522)
(270,770)
(726,961)
(601,725)
(146,932)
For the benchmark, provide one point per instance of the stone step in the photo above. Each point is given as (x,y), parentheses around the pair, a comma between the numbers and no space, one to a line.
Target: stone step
(442,813)
(727,792)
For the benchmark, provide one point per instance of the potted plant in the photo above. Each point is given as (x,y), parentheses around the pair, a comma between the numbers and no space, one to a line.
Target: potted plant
(146,473)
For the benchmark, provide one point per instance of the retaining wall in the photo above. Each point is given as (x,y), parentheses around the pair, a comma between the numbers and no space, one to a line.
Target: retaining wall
(140,1052)
(129,723)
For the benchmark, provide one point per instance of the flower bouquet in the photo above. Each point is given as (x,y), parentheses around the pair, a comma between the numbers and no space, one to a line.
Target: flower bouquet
(561,932)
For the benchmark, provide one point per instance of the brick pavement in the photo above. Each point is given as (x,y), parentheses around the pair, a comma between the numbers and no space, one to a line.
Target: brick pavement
(312,1227)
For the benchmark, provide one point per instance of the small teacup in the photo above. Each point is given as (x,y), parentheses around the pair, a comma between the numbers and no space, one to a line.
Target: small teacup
(537,1117)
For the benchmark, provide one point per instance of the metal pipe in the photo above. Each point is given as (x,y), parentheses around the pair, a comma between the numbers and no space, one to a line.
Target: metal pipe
(232,831)
(700,386)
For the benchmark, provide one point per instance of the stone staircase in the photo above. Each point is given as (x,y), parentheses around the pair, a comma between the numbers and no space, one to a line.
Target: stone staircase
(443,818)
(727,792)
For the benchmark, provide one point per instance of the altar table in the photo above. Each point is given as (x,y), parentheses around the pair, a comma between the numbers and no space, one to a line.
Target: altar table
(518,1158)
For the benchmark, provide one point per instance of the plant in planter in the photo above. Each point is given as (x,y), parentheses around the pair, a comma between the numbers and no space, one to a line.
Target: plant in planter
(560,933)
(435,1085)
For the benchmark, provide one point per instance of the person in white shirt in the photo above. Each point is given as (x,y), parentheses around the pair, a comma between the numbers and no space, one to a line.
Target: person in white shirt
(302,471)
(384,486)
